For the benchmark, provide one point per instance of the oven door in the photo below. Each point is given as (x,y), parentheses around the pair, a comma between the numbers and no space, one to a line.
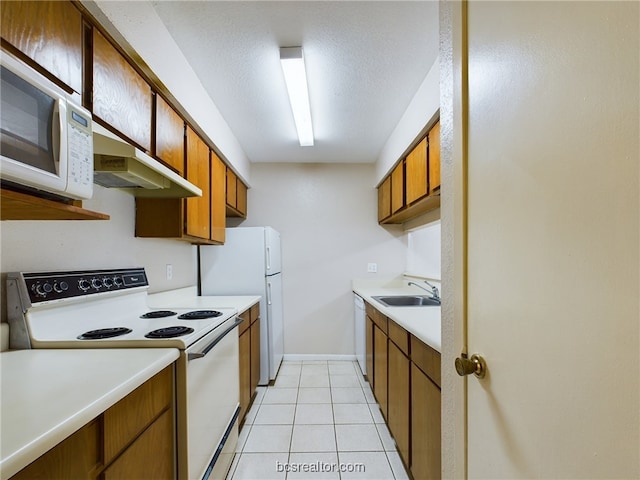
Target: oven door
(213,402)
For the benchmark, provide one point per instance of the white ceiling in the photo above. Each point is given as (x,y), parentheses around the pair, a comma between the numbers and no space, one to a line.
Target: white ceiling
(365,61)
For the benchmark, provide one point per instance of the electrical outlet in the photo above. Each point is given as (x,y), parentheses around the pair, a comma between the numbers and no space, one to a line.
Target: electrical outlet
(169,271)
(372,267)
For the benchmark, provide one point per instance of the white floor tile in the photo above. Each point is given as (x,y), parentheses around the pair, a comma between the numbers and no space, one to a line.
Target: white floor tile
(275,415)
(313,438)
(376,413)
(314,395)
(345,381)
(242,437)
(260,391)
(287,381)
(315,369)
(314,380)
(388,442)
(251,414)
(399,472)
(347,395)
(313,466)
(290,369)
(351,413)
(314,362)
(342,368)
(358,438)
(263,466)
(314,414)
(280,395)
(268,439)
(233,466)
(365,465)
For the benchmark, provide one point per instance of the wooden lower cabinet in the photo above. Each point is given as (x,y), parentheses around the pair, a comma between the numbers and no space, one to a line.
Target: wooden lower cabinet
(135,438)
(369,348)
(399,399)
(249,338)
(380,364)
(425,426)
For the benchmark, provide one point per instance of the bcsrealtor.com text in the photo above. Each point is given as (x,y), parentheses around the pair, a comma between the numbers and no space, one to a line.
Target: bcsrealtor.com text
(319,467)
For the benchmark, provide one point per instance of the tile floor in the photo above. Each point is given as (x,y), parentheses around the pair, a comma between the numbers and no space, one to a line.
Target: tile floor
(319,421)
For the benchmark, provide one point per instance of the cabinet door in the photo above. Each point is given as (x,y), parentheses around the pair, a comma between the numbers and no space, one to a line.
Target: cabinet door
(169,136)
(397,188)
(218,208)
(48,32)
(255,355)
(198,173)
(425,427)
(416,173)
(398,397)
(380,368)
(232,188)
(121,97)
(369,349)
(245,372)
(150,456)
(241,198)
(384,199)
(434,159)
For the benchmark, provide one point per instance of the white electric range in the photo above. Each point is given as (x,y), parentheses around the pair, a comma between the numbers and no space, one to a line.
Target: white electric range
(109,309)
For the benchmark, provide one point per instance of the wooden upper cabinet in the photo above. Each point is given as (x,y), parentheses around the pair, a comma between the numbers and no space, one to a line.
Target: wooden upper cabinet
(416,173)
(199,173)
(48,32)
(434,159)
(121,97)
(236,196)
(218,195)
(397,188)
(169,135)
(232,188)
(241,198)
(384,199)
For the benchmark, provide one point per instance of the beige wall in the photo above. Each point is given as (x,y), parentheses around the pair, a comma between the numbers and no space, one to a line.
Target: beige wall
(67,245)
(327,216)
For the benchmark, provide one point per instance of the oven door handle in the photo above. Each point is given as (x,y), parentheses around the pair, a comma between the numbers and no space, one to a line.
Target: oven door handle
(207,349)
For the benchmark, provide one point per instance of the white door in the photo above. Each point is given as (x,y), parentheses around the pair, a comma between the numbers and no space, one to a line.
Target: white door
(549,199)
(273,252)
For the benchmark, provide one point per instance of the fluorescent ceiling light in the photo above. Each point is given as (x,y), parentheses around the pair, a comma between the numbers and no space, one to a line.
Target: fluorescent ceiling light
(292,61)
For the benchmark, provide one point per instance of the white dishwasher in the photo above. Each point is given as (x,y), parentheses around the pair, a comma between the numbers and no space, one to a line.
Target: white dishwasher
(360,332)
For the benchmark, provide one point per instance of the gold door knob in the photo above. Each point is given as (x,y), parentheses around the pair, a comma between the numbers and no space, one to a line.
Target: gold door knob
(467,366)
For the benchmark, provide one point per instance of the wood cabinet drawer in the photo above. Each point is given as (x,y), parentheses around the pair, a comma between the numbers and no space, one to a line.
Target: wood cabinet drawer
(399,336)
(255,312)
(370,311)
(426,358)
(381,321)
(246,316)
(78,457)
(134,413)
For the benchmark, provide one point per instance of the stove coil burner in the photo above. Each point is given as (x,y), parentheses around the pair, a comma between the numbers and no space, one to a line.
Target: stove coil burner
(199,314)
(158,314)
(170,332)
(104,333)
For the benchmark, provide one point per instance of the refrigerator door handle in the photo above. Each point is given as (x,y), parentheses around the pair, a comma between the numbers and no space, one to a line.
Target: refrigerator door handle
(268,258)
(268,293)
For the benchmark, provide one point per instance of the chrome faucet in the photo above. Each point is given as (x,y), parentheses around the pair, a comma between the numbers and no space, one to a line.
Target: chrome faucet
(435,293)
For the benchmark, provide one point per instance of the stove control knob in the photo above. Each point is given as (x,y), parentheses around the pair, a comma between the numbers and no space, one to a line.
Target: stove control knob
(96,283)
(40,290)
(47,288)
(60,287)
(107,282)
(117,281)
(84,285)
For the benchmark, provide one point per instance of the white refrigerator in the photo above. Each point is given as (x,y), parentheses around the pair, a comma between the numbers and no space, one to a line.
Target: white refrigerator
(249,263)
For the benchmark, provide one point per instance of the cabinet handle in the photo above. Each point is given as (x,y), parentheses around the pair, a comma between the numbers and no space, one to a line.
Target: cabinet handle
(467,366)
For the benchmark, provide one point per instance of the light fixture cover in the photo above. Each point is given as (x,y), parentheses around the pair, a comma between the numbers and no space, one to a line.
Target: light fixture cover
(295,76)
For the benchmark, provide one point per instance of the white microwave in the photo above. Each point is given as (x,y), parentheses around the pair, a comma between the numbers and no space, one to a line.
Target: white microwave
(46,141)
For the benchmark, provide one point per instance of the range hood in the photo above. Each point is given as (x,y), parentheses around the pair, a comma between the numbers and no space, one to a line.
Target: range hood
(117,164)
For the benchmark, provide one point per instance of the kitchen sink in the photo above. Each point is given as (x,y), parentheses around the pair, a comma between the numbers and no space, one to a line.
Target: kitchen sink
(408,301)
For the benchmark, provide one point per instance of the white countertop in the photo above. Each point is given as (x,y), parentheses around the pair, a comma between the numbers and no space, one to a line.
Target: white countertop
(422,322)
(49,394)
(188,298)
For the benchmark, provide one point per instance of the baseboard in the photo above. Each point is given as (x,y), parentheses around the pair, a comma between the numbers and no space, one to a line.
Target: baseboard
(316,357)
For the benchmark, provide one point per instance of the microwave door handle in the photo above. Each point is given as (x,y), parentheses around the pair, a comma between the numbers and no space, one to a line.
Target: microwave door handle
(207,349)
(56,132)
